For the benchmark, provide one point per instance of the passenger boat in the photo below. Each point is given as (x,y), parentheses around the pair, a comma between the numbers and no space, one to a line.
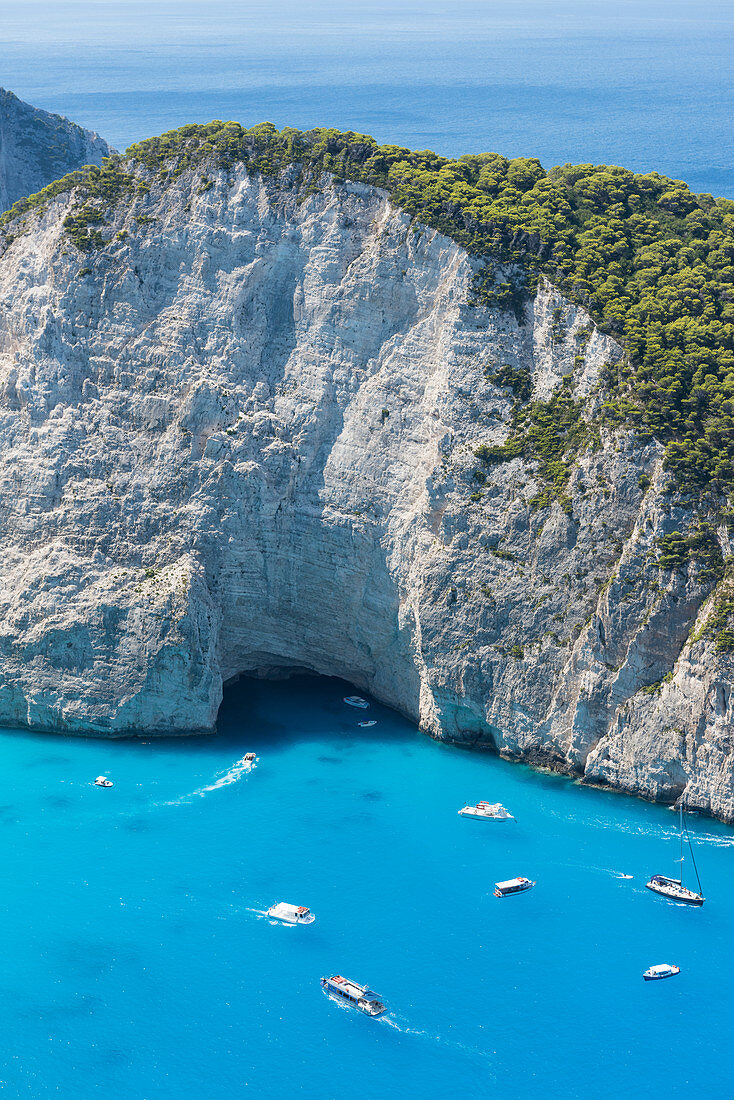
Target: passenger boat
(673,888)
(360,996)
(512,886)
(291,914)
(662,970)
(356,701)
(102,781)
(493,811)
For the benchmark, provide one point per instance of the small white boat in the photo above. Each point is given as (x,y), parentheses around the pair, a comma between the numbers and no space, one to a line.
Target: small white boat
(102,781)
(661,970)
(358,995)
(512,886)
(492,811)
(250,759)
(291,914)
(366,725)
(356,701)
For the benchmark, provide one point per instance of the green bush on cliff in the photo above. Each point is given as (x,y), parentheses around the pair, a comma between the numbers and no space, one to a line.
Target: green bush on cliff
(652,262)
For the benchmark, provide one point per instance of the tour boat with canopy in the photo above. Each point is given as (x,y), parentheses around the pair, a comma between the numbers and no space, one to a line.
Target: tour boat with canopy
(673,888)
(661,970)
(360,996)
(491,811)
(512,886)
(291,914)
(356,701)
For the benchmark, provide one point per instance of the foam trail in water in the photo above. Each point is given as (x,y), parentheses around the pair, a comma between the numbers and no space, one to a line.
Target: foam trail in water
(405,1029)
(233,775)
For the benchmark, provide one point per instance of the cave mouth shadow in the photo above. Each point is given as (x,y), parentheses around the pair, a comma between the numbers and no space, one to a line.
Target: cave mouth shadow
(303,706)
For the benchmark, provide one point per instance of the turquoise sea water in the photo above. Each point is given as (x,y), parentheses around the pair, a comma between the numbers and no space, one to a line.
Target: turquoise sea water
(644,83)
(136,963)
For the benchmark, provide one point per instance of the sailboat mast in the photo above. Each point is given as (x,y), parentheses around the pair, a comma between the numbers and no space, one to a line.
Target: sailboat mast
(681,841)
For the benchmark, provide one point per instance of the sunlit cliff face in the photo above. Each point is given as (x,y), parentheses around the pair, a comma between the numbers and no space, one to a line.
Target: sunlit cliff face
(240,438)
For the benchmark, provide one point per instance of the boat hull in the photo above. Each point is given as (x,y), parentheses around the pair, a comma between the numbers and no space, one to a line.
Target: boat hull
(648,977)
(470,812)
(369,1008)
(686,898)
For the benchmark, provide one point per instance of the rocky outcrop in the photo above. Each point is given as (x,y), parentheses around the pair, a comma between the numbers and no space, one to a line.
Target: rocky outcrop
(37,148)
(240,438)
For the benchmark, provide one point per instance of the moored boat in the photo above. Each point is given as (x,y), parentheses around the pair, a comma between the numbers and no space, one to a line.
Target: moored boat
(512,886)
(356,701)
(673,888)
(491,811)
(291,914)
(360,996)
(660,970)
(367,724)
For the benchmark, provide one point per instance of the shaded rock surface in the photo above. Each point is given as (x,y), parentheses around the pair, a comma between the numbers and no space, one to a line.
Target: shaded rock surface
(240,439)
(37,147)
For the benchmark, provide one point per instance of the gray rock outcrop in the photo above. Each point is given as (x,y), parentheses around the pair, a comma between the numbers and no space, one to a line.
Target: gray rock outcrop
(240,438)
(37,147)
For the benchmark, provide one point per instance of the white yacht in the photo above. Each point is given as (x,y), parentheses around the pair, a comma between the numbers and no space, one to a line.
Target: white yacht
(356,701)
(512,886)
(360,996)
(661,970)
(102,781)
(291,914)
(493,811)
(673,888)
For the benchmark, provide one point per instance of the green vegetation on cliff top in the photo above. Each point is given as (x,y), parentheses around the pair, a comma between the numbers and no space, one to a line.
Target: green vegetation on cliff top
(652,262)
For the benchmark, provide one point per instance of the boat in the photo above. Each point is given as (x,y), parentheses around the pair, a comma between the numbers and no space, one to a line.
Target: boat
(673,888)
(102,781)
(493,811)
(661,970)
(366,725)
(363,998)
(249,758)
(512,886)
(291,914)
(356,701)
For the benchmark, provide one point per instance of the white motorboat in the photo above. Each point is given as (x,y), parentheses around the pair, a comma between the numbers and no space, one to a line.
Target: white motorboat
(291,914)
(673,888)
(661,970)
(102,781)
(368,724)
(512,886)
(250,759)
(356,701)
(492,811)
(360,996)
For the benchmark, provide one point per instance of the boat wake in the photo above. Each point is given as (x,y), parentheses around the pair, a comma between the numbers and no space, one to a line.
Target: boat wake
(453,1044)
(233,775)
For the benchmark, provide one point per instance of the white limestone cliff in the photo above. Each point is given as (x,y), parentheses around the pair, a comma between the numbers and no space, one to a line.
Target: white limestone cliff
(240,439)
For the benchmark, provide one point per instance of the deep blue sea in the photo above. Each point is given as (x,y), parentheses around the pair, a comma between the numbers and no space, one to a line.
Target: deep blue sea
(136,962)
(644,83)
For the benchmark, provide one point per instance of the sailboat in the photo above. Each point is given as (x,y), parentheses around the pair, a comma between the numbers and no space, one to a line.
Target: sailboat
(673,888)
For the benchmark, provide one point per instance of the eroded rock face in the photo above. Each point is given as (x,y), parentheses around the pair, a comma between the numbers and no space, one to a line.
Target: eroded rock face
(244,441)
(37,148)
